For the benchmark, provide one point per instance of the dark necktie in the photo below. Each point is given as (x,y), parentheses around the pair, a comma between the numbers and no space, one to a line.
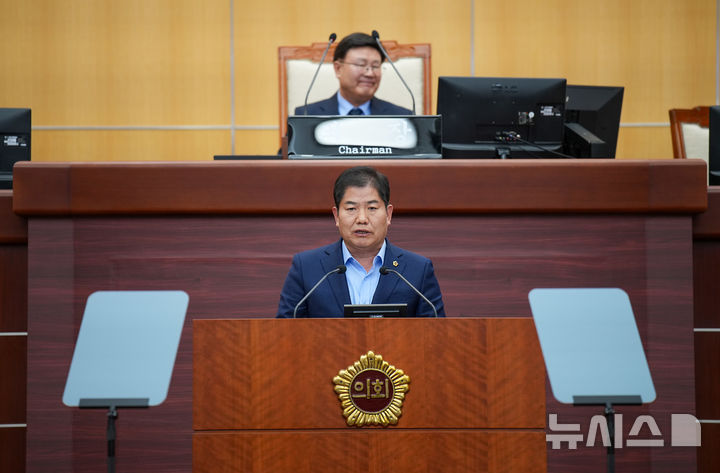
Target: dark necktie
(356,111)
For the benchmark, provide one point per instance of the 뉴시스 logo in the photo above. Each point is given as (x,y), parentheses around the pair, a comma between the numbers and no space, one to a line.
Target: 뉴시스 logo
(684,432)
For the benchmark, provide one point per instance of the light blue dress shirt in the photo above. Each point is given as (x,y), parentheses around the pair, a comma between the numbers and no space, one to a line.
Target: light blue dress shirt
(344,106)
(361,283)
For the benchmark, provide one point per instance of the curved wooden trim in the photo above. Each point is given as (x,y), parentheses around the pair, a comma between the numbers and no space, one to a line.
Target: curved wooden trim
(418,186)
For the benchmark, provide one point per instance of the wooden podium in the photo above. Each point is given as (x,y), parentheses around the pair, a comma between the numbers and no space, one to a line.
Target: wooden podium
(264,399)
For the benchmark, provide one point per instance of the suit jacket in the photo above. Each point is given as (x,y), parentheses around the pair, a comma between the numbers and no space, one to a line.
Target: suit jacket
(329,298)
(330,107)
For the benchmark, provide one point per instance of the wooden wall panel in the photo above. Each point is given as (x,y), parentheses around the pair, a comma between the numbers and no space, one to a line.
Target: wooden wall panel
(663,52)
(166,63)
(13,341)
(12,450)
(706,283)
(130,145)
(449,451)
(485,373)
(709,453)
(234,267)
(13,288)
(13,351)
(156,62)
(641,142)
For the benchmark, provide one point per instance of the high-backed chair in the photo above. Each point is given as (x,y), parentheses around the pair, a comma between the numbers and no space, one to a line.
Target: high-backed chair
(690,132)
(298,65)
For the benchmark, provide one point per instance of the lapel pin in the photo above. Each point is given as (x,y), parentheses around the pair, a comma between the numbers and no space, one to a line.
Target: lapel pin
(395,263)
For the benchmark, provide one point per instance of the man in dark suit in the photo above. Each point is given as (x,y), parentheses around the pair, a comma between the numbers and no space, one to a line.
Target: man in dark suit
(357,63)
(362,215)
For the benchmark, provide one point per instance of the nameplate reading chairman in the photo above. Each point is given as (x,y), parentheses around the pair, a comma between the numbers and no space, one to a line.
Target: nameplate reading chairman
(357,63)
(362,215)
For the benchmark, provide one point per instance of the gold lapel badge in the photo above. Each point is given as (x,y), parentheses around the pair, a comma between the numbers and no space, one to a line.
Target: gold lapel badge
(395,263)
(371,391)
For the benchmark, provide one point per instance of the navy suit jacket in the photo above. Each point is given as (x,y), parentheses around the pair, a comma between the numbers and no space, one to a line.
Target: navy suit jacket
(330,107)
(329,298)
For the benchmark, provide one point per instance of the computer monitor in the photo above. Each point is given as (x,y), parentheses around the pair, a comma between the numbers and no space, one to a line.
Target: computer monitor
(714,151)
(492,117)
(592,120)
(15,124)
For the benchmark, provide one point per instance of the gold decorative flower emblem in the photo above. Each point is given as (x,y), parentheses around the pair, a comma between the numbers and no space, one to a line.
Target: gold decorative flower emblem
(371,391)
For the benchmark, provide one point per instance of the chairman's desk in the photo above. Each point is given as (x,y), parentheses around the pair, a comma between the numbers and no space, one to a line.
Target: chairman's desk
(225,231)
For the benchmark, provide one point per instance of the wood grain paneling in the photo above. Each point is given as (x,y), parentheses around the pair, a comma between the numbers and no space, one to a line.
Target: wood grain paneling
(141,63)
(642,142)
(130,145)
(165,63)
(13,372)
(265,387)
(452,186)
(12,450)
(13,228)
(707,383)
(661,51)
(709,453)
(13,288)
(464,373)
(234,267)
(370,451)
(706,225)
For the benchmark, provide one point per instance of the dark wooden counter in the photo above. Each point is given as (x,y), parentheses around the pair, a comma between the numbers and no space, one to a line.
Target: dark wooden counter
(430,186)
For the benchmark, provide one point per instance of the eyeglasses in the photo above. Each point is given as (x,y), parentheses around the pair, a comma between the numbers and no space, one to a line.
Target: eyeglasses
(372,67)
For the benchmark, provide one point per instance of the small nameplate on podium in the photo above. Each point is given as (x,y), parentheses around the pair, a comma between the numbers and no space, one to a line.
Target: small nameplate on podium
(364,137)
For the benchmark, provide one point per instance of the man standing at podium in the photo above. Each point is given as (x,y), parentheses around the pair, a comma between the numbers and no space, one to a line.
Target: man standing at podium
(362,215)
(357,62)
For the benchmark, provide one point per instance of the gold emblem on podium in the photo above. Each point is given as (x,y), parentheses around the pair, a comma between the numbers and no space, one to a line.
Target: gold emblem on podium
(371,391)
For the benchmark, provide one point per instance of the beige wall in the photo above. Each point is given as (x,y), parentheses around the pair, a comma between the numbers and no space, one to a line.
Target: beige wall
(187,79)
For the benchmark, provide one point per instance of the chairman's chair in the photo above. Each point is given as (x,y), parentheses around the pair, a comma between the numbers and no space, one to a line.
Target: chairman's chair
(690,132)
(298,65)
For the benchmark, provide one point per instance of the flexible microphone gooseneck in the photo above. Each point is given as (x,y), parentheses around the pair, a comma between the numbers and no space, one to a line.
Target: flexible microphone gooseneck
(376,37)
(331,40)
(340,270)
(386,270)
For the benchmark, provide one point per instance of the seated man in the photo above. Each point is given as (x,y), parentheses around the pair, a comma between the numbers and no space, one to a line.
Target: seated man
(357,62)
(362,215)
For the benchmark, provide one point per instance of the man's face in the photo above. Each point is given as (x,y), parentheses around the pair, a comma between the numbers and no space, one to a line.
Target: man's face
(362,220)
(359,74)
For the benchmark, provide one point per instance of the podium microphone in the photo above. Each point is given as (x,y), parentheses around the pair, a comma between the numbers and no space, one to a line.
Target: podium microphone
(376,37)
(386,270)
(340,270)
(331,40)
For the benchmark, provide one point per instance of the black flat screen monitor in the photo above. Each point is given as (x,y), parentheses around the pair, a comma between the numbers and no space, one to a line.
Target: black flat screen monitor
(714,151)
(483,117)
(375,310)
(597,110)
(15,124)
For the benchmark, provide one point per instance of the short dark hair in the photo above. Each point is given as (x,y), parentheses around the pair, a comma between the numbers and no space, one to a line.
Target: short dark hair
(355,40)
(361,176)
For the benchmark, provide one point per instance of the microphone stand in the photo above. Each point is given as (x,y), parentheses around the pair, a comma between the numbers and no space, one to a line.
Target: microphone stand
(331,40)
(376,36)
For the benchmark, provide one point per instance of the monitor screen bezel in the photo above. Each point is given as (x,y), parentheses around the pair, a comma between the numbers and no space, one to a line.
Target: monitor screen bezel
(375,310)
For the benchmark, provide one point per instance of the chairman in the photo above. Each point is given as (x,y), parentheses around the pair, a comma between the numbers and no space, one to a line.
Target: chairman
(362,215)
(357,63)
